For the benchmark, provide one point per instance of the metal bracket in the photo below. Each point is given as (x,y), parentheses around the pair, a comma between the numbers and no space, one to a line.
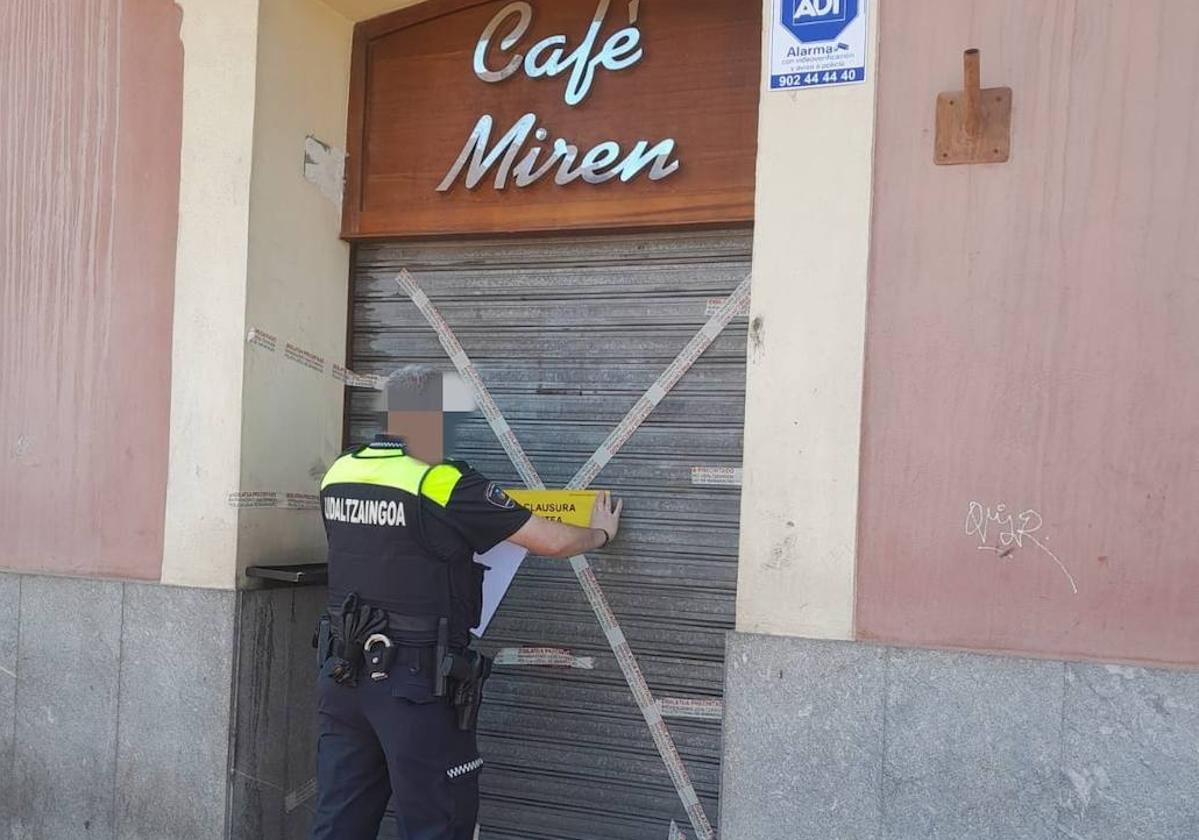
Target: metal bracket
(973,125)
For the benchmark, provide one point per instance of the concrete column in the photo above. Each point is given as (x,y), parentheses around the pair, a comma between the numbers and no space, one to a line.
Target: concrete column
(807,333)
(258,248)
(220,40)
(296,289)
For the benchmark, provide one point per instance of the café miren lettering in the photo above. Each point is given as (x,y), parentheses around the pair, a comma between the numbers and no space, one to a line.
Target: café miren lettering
(521,154)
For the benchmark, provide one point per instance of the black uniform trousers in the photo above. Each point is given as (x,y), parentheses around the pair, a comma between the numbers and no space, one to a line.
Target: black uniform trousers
(394,738)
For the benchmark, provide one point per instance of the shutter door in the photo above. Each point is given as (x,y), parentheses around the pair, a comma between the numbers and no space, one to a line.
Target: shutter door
(568,332)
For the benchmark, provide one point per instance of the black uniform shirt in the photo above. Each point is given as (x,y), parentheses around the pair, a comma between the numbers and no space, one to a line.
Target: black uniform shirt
(403,534)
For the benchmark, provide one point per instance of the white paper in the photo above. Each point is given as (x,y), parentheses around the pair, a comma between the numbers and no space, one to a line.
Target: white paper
(503,561)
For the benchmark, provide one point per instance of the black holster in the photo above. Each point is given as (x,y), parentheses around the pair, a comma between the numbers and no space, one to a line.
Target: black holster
(466,672)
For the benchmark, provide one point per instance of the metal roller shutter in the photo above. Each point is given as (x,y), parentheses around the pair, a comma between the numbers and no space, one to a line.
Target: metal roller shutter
(568,332)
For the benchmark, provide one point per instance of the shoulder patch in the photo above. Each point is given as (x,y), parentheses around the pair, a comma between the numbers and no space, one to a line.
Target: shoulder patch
(497,497)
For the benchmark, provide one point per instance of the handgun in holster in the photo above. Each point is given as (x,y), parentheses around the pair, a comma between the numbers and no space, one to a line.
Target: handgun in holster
(463,673)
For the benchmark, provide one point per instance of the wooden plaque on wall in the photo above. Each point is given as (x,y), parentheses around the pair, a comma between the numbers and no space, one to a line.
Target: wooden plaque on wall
(662,132)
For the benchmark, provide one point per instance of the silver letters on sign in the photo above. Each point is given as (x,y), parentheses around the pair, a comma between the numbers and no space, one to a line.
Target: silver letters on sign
(548,57)
(516,156)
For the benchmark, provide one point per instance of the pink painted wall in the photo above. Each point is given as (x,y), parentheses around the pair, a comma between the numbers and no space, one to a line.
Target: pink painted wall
(1033,338)
(90,116)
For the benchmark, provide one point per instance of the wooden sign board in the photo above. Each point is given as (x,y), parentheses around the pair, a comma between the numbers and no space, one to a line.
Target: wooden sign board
(489,117)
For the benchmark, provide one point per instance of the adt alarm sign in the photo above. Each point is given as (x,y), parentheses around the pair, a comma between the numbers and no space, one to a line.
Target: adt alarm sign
(816,43)
(818,20)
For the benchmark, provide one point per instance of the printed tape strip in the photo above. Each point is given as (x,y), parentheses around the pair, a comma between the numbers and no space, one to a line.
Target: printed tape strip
(274,499)
(643,697)
(582,568)
(467,370)
(313,361)
(675,832)
(559,657)
(656,392)
(300,795)
(712,306)
(686,707)
(586,576)
(717,476)
(595,596)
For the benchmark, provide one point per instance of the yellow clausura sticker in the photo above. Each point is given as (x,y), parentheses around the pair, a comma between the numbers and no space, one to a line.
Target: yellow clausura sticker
(570,506)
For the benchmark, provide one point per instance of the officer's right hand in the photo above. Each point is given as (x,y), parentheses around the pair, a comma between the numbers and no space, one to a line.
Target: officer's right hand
(557,539)
(605,515)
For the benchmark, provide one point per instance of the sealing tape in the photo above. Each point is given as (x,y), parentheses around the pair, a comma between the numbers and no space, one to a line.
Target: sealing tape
(263,339)
(313,361)
(686,707)
(559,657)
(716,476)
(300,795)
(467,370)
(642,696)
(675,833)
(582,568)
(712,305)
(655,393)
(274,499)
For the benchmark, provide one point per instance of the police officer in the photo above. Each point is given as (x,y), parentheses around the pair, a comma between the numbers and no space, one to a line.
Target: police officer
(399,685)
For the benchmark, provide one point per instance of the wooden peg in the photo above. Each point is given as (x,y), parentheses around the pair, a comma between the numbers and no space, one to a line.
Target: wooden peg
(974,125)
(973,73)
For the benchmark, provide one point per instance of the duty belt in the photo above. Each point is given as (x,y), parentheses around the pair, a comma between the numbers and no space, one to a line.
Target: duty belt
(374,640)
(406,630)
(459,673)
(415,630)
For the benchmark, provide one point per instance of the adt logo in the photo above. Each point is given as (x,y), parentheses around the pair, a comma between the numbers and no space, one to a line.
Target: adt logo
(818,20)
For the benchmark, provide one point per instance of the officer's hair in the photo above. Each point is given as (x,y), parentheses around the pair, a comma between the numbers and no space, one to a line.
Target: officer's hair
(412,377)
